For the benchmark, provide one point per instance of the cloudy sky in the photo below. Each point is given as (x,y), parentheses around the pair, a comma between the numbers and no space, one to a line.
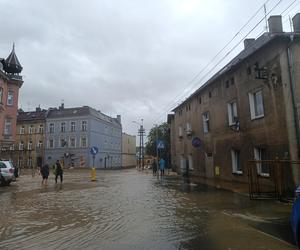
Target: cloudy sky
(136,58)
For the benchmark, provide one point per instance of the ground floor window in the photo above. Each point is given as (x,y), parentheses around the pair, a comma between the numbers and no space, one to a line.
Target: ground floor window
(262,167)
(236,162)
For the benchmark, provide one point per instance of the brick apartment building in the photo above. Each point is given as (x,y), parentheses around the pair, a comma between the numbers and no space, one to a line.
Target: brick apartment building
(248,110)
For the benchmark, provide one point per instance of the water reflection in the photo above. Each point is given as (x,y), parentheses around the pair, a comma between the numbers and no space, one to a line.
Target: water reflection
(132,210)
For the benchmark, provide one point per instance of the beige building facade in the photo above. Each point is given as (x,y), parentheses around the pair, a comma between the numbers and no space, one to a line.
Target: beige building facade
(128,150)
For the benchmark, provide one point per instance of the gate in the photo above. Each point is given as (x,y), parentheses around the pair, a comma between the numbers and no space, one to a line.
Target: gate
(275,183)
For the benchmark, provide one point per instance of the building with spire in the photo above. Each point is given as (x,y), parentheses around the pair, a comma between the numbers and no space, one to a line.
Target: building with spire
(10,83)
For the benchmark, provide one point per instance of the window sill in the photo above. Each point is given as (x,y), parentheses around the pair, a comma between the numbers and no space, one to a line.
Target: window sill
(237,173)
(257,117)
(264,175)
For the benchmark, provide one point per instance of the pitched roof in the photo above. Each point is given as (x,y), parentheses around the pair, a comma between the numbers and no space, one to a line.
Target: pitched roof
(12,64)
(32,115)
(259,43)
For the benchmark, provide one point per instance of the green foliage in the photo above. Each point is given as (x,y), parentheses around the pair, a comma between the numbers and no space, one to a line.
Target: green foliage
(161,132)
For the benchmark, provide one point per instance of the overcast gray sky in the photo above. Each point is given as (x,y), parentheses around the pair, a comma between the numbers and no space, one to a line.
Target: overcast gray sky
(128,57)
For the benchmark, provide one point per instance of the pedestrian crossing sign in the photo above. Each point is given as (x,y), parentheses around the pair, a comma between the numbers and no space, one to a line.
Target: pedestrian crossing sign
(160,144)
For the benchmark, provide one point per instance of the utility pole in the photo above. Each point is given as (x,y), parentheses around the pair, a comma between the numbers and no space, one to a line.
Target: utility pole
(156,150)
(141,134)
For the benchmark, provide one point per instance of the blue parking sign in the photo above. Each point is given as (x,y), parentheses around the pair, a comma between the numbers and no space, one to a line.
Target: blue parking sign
(94,150)
(160,144)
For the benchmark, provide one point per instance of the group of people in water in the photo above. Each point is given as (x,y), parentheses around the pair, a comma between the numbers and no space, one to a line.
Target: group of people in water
(57,171)
(162,166)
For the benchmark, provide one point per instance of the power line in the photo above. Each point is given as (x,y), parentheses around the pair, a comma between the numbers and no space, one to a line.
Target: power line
(213,59)
(234,47)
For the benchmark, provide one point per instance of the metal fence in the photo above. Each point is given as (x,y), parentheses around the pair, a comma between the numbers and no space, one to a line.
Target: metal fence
(275,182)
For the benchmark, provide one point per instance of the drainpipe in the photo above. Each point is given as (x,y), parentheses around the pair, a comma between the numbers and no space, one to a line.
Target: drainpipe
(293,94)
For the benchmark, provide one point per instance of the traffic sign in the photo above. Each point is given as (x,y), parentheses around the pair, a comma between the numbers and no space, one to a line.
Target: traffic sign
(196,142)
(94,150)
(160,144)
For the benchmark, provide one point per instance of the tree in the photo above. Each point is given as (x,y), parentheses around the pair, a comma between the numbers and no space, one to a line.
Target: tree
(160,132)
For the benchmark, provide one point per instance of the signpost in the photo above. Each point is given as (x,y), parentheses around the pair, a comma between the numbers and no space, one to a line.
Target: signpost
(94,150)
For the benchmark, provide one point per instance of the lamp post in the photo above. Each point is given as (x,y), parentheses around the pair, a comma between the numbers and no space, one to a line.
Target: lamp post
(141,133)
(156,140)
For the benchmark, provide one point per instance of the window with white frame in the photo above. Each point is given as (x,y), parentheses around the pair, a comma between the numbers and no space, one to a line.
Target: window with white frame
(51,128)
(236,162)
(10,98)
(20,161)
(29,145)
(63,127)
(41,129)
(73,127)
(83,142)
(84,125)
(72,142)
(232,113)
(262,167)
(8,127)
(180,131)
(21,145)
(50,143)
(31,129)
(40,144)
(256,104)
(205,118)
(22,130)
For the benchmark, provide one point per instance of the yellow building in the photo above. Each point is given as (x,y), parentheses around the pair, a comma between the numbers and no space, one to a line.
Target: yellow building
(29,147)
(128,150)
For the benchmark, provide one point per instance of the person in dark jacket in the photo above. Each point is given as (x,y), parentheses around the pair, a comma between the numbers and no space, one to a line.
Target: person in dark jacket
(58,171)
(154,167)
(45,173)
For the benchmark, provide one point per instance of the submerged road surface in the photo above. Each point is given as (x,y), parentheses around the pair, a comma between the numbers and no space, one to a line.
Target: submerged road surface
(133,210)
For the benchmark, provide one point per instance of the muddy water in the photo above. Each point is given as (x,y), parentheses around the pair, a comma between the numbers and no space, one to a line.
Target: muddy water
(133,210)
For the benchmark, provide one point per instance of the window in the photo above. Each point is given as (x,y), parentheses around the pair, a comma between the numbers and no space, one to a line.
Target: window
(63,127)
(72,142)
(7,127)
(209,94)
(41,129)
(83,125)
(227,84)
(31,129)
(63,142)
(232,113)
(30,145)
(83,142)
(40,144)
(12,147)
(22,130)
(179,131)
(205,118)
(256,104)
(51,128)
(73,127)
(29,161)
(10,98)
(21,145)
(51,143)
(232,81)
(235,162)
(188,128)
(20,161)
(262,167)
(1,95)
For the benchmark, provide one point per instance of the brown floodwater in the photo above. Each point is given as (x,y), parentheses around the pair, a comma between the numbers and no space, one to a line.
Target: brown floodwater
(129,209)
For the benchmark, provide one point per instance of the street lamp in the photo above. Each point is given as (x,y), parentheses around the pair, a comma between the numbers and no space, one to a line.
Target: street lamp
(141,133)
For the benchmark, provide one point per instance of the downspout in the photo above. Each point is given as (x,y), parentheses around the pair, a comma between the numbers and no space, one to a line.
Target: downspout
(293,89)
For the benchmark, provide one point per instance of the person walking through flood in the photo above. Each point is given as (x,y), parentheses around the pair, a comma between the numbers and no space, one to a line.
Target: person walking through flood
(154,167)
(162,165)
(45,173)
(58,171)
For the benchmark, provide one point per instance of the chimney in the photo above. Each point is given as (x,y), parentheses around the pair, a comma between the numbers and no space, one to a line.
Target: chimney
(296,23)
(62,106)
(38,109)
(119,118)
(248,42)
(275,24)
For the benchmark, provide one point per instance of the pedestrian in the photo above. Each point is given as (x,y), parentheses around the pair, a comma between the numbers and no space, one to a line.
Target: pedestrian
(162,165)
(154,167)
(58,171)
(44,170)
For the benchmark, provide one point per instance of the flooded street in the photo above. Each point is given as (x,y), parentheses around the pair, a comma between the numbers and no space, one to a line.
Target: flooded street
(133,210)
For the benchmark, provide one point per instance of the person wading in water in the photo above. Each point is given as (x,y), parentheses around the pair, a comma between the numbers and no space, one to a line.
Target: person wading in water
(58,171)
